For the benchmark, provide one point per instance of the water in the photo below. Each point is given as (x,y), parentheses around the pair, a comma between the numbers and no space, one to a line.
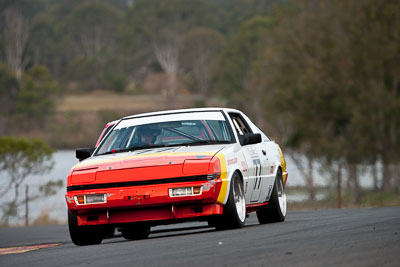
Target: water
(55,205)
(322,178)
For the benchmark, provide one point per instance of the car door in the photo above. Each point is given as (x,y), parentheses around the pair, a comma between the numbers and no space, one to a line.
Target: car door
(253,182)
(266,148)
(266,151)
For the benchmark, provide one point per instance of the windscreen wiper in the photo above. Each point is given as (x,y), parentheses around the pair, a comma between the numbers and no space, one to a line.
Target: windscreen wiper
(145,146)
(202,142)
(130,149)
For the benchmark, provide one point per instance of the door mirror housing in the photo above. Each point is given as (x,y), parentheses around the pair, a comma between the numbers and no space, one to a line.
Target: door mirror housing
(250,139)
(84,153)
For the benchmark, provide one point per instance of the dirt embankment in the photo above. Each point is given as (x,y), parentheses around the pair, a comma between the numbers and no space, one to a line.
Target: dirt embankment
(79,119)
(117,102)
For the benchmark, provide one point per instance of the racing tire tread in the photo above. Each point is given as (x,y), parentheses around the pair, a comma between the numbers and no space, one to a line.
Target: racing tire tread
(272,213)
(83,235)
(229,219)
(136,232)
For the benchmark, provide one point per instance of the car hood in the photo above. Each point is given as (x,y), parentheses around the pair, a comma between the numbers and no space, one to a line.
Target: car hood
(145,164)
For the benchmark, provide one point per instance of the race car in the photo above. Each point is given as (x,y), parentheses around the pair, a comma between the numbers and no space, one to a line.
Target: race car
(204,164)
(105,131)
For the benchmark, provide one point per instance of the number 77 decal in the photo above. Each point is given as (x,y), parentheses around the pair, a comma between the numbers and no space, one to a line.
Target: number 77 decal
(257,174)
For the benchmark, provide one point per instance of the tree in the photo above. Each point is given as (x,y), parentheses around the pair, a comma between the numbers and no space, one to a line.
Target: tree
(237,76)
(91,29)
(43,38)
(334,74)
(15,36)
(167,55)
(35,99)
(90,39)
(9,90)
(152,36)
(20,158)
(199,49)
(48,43)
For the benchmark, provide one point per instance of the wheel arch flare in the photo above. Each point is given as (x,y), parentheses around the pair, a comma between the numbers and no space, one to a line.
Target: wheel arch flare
(283,166)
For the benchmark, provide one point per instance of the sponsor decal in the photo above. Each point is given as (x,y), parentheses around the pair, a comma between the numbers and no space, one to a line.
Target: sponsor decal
(136,197)
(252,150)
(200,156)
(207,186)
(271,171)
(244,166)
(232,161)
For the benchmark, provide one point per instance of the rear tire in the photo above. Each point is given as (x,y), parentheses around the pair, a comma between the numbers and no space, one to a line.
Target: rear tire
(84,235)
(109,231)
(275,211)
(234,215)
(135,232)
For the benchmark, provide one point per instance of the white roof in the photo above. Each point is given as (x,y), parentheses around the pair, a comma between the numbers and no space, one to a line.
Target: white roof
(181,111)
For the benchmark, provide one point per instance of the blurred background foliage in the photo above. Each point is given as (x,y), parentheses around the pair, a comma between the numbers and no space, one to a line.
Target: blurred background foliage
(320,77)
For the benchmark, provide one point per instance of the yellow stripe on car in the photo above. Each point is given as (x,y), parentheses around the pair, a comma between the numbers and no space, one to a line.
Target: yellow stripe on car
(283,165)
(224,187)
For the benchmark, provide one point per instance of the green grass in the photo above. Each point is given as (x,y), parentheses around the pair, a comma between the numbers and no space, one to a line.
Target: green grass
(379,199)
(369,198)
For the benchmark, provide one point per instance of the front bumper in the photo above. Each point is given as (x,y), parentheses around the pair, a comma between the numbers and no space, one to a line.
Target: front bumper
(152,215)
(146,203)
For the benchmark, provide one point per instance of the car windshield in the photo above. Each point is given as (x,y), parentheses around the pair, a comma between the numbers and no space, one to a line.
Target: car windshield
(190,129)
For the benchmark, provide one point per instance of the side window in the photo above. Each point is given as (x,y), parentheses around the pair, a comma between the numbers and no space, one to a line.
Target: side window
(240,124)
(219,130)
(263,135)
(116,140)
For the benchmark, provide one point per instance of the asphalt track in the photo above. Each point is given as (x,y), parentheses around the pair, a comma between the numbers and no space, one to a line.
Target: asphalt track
(345,237)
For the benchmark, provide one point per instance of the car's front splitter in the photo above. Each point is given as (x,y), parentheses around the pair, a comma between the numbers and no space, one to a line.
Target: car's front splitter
(151,214)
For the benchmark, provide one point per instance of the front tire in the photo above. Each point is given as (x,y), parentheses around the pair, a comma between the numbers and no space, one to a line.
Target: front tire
(135,232)
(275,211)
(234,210)
(83,235)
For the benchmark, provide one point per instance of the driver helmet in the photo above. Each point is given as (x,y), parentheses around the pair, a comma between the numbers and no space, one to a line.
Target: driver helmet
(147,131)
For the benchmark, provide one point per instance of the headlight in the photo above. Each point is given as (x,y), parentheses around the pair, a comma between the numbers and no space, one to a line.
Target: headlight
(90,199)
(185,191)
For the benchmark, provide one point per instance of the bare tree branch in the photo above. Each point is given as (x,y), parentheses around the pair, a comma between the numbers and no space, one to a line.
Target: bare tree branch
(16,33)
(167,56)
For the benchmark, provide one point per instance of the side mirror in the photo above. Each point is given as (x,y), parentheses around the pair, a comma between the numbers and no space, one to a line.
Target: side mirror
(250,139)
(84,153)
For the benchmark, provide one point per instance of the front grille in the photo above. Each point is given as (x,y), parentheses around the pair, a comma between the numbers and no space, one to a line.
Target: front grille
(141,183)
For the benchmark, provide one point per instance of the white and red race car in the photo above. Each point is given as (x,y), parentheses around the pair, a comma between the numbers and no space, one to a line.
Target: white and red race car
(207,164)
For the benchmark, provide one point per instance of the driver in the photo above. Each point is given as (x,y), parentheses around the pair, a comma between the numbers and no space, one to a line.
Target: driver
(147,136)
